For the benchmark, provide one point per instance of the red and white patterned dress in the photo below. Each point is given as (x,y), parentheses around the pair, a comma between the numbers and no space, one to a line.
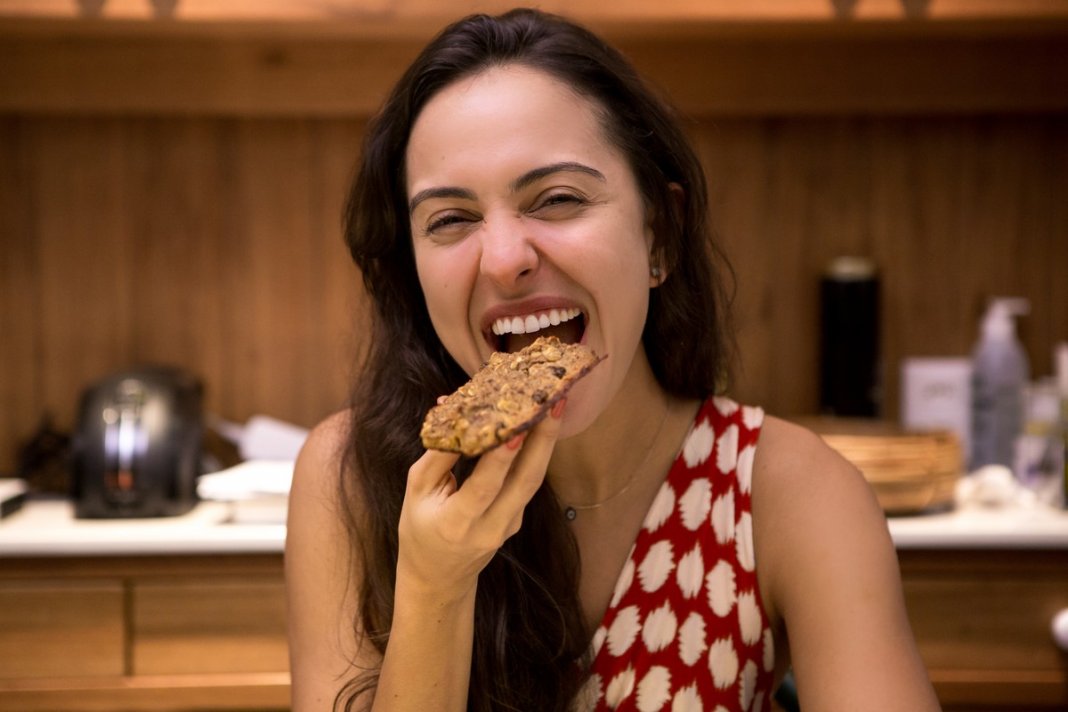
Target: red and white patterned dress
(686,629)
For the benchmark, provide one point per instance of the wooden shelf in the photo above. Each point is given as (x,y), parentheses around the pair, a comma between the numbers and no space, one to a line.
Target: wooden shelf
(286,58)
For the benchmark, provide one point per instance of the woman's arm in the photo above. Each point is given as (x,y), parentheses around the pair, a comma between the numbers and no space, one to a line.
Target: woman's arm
(447,535)
(828,565)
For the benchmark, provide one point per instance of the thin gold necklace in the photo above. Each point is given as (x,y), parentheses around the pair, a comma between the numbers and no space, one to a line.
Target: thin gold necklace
(571,510)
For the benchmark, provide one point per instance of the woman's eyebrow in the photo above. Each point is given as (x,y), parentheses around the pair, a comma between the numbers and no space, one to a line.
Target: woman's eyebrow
(442,192)
(561,167)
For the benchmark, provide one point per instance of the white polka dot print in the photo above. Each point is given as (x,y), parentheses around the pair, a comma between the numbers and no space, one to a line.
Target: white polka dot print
(745,468)
(727,449)
(687,700)
(699,444)
(723,663)
(690,573)
(659,629)
(748,685)
(692,639)
(661,508)
(623,631)
(752,417)
(685,630)
(743,542)
(656,566)
(723,518)
(599,636)
(696,503)
(721,588)
(626,578)
(749,619)
(619,688)
(725,406)
(654,690)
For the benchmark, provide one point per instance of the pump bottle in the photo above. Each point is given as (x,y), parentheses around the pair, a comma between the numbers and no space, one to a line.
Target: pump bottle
(1000,374)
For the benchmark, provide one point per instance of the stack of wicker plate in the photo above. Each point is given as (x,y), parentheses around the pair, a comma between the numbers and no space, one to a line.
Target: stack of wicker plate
(910,471)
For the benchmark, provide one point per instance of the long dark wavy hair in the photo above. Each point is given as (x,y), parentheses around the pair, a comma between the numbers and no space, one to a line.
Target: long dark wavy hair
(530,638)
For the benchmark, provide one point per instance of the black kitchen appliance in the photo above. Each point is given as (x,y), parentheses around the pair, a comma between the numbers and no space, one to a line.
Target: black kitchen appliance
(137,448)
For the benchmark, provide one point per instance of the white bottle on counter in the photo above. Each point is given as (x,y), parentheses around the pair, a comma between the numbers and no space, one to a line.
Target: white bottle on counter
(1000,374)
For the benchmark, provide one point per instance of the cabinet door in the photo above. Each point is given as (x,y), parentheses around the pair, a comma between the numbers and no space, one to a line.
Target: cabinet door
(983,625)
(228,625)
(61,629)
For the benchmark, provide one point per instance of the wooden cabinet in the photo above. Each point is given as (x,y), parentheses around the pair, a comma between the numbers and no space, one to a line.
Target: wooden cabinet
(983,623)
(143,633)
(168,633)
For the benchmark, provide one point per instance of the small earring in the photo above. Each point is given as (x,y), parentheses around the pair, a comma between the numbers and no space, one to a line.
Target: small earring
(654,272)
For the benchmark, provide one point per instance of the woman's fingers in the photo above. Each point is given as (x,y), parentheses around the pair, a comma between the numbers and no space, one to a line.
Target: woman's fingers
(431,473)
(490,503)
(528,469)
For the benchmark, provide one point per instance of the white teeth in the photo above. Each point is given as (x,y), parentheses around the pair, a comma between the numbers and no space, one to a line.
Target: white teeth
(533,322)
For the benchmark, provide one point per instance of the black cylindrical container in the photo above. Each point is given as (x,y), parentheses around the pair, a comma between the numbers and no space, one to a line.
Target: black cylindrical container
(850,382)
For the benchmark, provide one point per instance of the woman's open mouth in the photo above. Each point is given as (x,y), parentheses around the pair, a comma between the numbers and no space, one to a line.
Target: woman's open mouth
(515,332)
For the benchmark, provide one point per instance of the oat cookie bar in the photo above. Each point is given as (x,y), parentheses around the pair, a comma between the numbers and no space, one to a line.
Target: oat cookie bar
(508,395)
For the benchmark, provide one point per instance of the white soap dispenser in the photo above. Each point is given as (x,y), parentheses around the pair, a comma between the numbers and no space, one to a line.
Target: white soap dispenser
(1000,374)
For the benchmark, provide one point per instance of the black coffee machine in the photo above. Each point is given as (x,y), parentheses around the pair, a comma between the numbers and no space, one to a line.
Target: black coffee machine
(137,448)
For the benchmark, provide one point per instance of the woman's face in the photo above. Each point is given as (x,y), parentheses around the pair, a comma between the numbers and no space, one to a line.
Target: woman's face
(526,221)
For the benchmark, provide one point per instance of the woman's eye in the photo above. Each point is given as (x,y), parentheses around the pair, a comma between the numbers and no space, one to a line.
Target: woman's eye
(446,221)
(556,201)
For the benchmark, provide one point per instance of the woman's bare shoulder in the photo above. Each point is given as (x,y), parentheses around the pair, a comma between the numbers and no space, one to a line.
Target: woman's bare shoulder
(322,575)
(829,567)
(808,502)
(325,446)
(792,463)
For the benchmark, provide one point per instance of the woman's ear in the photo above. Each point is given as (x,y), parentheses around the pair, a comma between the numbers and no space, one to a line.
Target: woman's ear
(658,270)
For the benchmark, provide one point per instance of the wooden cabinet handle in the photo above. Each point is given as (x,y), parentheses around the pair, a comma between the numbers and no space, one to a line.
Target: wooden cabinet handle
(1059,627)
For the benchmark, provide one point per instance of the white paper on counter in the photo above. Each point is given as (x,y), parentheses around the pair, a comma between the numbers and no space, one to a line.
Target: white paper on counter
(248,480)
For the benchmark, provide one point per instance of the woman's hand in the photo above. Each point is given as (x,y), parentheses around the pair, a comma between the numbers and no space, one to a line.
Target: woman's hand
(448,533)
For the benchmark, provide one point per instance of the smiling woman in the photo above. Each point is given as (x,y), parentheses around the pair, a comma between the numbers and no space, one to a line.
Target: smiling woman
(653,545)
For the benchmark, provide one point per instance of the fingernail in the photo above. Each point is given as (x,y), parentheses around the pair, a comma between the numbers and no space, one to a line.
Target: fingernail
(558,407)
(514,443)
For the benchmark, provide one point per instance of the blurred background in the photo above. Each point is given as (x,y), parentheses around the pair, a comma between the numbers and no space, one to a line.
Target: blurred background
(172,176)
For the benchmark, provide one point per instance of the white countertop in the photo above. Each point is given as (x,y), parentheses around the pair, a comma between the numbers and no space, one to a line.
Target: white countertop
(1036,527)
(48,528)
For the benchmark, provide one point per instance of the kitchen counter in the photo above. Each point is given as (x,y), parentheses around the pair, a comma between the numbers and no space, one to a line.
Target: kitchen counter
(48,528)
(1035,527)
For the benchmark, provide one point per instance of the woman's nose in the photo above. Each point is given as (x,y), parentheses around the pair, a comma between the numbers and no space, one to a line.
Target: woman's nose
(508,254)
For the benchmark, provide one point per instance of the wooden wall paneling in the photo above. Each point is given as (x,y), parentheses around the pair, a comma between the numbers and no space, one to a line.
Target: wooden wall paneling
(1006,208)
(282,359)
(338,315)
(61,629)
(736,177)
(81,232)
(20,377)
(1054,187)
(177,190)
(221,625)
